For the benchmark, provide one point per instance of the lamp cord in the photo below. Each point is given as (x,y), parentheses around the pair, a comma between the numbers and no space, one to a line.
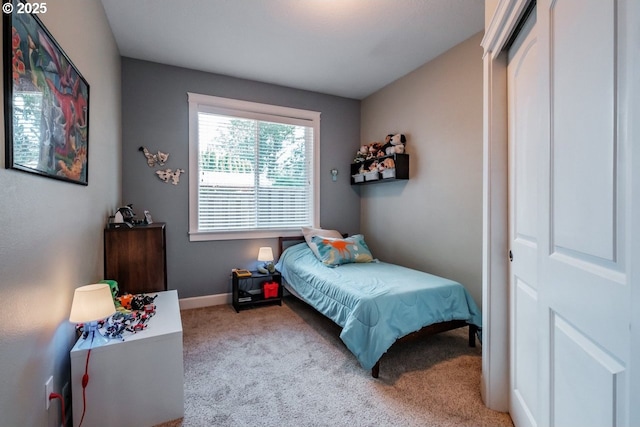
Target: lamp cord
(85,381)
(58,396)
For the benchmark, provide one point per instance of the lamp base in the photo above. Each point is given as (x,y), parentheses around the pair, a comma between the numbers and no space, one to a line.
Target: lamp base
(268,267)
(93,337)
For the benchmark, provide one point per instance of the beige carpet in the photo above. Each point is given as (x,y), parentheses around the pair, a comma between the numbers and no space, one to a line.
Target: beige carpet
(286,366)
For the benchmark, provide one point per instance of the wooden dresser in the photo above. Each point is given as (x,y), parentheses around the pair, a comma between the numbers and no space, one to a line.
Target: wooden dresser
(136,258)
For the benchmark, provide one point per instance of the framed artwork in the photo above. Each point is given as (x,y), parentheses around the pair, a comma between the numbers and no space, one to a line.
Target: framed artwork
(46,101)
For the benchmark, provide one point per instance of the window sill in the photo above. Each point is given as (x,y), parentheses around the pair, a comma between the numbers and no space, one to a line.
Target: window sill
(203,236)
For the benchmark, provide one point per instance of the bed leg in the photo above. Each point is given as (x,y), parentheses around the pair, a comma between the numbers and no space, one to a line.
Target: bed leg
(473,329)
(375,370)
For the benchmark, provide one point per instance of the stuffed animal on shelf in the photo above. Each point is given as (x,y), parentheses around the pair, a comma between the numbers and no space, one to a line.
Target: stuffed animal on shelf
(374,148)
(368,151)
(387,141)
(394,144)
(362,153)
(387,163)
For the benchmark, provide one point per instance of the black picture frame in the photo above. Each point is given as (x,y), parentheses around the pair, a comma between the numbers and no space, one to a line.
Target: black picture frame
(46,101)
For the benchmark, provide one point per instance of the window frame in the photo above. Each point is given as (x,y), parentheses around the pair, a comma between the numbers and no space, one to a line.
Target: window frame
(251,110)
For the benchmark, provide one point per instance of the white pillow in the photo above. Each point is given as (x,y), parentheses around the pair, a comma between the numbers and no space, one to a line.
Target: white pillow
(309,232)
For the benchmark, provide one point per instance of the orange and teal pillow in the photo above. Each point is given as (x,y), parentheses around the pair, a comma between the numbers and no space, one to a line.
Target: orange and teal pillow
(309,232)
(334,251)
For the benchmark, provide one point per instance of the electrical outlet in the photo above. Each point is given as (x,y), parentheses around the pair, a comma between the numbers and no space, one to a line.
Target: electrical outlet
(48,389)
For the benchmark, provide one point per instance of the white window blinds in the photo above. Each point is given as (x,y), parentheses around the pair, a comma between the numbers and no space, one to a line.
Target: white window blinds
(255,169)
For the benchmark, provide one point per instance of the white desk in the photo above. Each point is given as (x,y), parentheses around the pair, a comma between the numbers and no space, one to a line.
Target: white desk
(138,381)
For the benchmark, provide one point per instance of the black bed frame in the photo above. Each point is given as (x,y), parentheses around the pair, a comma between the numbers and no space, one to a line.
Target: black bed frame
(432,329)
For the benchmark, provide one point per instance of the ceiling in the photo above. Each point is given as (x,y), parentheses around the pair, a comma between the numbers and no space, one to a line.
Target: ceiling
(348,48)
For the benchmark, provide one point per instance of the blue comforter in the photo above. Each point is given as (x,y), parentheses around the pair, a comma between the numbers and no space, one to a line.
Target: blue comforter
(375,303)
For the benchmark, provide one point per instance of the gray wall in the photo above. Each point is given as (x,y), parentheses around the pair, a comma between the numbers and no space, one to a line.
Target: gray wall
(433,222)
(51,231)
(155,115)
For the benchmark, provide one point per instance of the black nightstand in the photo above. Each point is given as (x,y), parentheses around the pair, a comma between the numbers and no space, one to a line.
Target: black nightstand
(248,291)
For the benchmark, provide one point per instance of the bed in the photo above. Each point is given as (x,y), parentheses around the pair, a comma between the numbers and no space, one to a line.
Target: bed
(376,303)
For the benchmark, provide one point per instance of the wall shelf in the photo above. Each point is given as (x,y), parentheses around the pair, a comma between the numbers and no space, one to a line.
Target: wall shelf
(401,170)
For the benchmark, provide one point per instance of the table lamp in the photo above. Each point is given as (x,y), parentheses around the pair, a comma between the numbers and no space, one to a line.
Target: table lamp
(90,304)
(265,254)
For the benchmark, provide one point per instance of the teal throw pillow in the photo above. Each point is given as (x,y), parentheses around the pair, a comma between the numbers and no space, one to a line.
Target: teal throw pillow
(334,252)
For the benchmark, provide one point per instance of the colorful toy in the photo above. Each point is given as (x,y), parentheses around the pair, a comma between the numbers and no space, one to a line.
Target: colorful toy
(125,301)
(113,285)
(131,316)
(139,302)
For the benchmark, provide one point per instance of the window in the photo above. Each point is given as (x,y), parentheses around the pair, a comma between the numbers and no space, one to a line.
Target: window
(253,169)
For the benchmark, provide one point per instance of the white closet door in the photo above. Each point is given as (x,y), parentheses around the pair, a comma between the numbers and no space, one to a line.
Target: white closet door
(583,276)
(524,142)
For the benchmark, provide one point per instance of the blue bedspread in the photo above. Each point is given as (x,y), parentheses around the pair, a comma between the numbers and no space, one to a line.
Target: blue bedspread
(375,303)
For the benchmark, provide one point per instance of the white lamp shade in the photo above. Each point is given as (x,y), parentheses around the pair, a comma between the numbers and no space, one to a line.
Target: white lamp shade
(91,303)
(265,254)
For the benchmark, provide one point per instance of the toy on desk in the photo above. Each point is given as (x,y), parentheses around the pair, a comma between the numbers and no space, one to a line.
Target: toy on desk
(139,322)
(139,302)
(117,325)
(113,285)
(132,322)
(125,301)
(132,314)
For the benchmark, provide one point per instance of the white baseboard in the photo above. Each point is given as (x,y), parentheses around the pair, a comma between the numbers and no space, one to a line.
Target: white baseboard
(204,301)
